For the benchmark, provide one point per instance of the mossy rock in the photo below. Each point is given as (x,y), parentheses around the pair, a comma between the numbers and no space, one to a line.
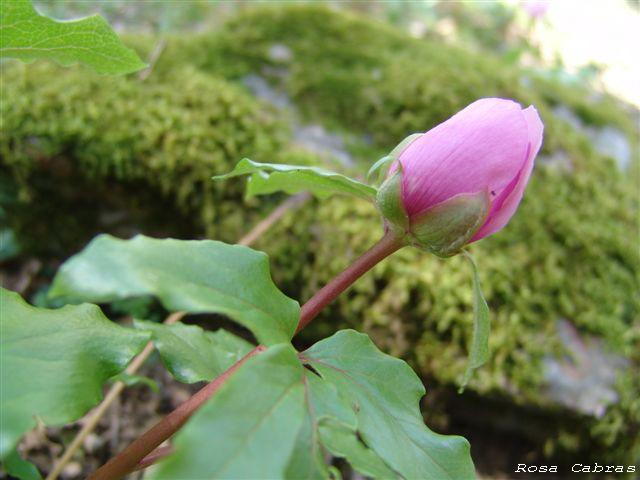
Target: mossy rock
(366,76)
(85,153)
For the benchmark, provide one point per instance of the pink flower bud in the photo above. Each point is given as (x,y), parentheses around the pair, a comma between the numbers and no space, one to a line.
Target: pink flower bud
(536,8)
(462,180)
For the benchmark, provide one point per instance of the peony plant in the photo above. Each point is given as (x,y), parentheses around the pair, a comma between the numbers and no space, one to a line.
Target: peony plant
(267,409)
(270,411)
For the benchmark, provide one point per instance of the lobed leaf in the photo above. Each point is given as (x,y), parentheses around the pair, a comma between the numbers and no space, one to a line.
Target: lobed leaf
(271,177)
(271,419)
(192,276)
(275,419)
(54,363)
(192,354)
(385,393)
(28,36)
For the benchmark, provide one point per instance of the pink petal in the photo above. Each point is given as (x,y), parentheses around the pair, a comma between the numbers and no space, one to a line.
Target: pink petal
(506,204)
(480,148)
(537,8)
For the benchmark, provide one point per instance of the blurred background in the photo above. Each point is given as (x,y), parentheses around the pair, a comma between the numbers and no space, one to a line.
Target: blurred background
(340,84)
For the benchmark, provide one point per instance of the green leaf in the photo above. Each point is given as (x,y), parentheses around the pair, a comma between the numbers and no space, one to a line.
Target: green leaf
(479,352)
(28,36)
(385,393)
(343,442)
(192,354)
(271,177)
(248,428)
(330,427)
(268,421)
(20,468)
(54,363)
(130,380)
(192,276)
(321,402)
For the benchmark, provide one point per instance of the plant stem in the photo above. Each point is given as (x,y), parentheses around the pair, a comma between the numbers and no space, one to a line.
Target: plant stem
(136,453)
(387,245)
(127,460)
(94,417)
(158,454)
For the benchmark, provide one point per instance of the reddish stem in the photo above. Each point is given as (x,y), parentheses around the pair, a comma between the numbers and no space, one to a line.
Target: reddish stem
(158,454)
(387,245)
(136,455)
(127,460)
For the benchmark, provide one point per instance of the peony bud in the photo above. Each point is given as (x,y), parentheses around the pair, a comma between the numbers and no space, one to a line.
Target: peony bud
(462,180)
(536,9)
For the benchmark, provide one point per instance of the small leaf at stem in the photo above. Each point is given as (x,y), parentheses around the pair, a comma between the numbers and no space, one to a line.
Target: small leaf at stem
(192,354)
(271,177)
(479,351)
(28,36)
(55,362)
(203,276)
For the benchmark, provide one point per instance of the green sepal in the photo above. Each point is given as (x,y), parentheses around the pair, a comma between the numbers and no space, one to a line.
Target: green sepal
(479,349)
(401,147)
(448,226)
(389,202)
(379,165)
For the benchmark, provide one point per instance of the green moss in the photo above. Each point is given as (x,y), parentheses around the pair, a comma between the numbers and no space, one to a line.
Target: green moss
(81,146)
(346,70)
(364,76)
(594,109)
